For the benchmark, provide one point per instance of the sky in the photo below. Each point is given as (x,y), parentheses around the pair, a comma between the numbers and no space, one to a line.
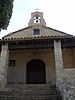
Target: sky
(58,14)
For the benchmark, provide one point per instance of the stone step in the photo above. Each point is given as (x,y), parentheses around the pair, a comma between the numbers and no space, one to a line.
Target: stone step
(30,97)
(27,96)
(40,88)
(30,92)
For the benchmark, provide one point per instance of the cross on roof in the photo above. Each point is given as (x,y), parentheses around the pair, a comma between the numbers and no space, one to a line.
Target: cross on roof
(36,9)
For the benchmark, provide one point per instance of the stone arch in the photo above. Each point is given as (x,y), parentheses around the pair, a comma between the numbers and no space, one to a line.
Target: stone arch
(35,72)
(37,19)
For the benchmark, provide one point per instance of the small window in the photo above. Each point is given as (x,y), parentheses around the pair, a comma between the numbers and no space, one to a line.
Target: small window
(12,63)
(36,31)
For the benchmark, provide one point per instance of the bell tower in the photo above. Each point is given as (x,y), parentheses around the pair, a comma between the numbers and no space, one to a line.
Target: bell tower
(37,19)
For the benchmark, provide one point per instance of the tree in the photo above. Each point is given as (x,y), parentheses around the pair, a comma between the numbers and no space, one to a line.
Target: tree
(6,7)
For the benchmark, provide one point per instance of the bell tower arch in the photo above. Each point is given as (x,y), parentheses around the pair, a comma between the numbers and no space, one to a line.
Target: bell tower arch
(37,19)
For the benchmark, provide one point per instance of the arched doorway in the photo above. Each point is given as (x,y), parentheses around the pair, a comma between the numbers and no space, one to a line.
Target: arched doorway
(36,73)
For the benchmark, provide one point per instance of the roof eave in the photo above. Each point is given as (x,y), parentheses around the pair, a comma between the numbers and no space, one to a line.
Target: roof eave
(37,38)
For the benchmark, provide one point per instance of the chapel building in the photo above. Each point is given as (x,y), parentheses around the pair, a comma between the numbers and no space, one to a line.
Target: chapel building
(35,58)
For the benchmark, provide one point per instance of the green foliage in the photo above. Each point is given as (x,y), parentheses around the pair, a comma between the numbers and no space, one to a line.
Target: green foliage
(6,7)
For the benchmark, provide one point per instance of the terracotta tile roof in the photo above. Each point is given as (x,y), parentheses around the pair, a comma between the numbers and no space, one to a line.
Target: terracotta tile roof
(34,38)
(27,34)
